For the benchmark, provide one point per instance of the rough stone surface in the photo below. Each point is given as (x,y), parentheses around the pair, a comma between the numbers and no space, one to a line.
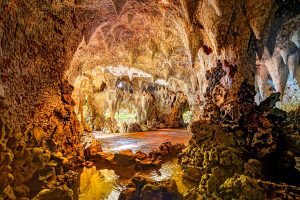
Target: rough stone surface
(144,188)
(207,54)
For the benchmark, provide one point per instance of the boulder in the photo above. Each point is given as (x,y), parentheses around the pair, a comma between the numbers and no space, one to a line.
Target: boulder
(144,188)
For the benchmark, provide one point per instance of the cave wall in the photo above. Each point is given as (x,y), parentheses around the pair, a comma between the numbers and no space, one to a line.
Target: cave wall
(39,39)
(38,123)
(154,105)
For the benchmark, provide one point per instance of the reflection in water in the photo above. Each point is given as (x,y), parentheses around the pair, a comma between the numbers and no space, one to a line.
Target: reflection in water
(106,185)
(107,181)
(171,170)
(96,185)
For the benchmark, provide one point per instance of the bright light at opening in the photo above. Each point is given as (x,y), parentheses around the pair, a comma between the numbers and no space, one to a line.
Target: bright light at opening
(123,71)
(124,147)
(120,85)
(161,82)
(187,116)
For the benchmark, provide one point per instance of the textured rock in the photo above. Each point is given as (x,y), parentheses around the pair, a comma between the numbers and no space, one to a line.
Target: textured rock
(180,47)
(143,188)
(248,188)
(140,160)
(62,192)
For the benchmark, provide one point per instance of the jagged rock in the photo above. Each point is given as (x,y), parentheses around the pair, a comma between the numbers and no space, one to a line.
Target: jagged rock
(134,127)
(198,129)
(61,192)
(213,162)
(276,115)
(174,47)
(265,142)
(34,159)
(246,92)
(38,133)
(91,145)
(231,112)
(253,168)
(6,180)
(248,188)
(140,160)
(143,188)
(106,157)
(270,102)
(69,178)
(8,193)
(214,77)
(211,149)
(125,157)
(140,155)
(22,191)
(211,112)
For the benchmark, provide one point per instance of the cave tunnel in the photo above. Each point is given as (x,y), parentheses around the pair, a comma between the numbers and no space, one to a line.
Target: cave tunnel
(149,99)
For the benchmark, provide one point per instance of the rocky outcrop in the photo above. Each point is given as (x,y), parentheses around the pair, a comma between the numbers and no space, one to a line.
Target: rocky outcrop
(172,43)
(41,156)
(255,146)
(139,160)
(144,188)
(241,186)
(169,107)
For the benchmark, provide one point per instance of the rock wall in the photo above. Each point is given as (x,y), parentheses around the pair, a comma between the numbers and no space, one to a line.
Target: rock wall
(169,107)
(225,155)
(234,136)
(39,39)
(40,133)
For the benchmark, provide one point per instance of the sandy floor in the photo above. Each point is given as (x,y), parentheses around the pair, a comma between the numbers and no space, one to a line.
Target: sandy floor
(141,141)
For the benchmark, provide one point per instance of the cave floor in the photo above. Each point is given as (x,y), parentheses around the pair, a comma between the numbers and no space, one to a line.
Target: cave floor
(141,141)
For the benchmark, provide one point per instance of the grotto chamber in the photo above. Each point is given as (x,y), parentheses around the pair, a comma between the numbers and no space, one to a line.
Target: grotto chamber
(149,99)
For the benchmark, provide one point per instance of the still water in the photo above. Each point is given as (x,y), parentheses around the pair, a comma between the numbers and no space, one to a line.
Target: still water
(106,182)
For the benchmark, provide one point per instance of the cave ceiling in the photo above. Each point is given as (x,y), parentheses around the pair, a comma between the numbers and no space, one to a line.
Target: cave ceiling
(148,35)
(175,41)
(178,39)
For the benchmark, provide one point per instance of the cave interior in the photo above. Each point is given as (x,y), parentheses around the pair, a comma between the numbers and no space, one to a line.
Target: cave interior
(149,99)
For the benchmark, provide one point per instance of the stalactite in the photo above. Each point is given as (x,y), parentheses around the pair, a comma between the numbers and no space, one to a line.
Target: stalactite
(194,83)
(293,62)
(296,38)
(217,6)
(279,72)
(262,78)
(297,74)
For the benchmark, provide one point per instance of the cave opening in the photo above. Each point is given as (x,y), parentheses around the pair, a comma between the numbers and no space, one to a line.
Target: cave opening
(187,117)
(149,99)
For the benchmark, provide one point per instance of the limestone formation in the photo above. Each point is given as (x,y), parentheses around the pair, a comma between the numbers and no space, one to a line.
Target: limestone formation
(139,160)
(143,188)
(71,67)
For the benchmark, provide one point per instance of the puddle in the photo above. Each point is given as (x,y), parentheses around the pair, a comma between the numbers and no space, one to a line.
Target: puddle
(107,184)
(96,185)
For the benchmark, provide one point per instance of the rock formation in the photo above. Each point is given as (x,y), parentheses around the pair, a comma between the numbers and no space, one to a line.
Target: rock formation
(142,188)
(65,64)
